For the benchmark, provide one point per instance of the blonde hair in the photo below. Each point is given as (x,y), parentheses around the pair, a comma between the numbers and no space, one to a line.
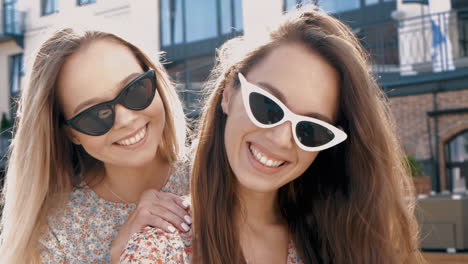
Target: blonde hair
(43,162)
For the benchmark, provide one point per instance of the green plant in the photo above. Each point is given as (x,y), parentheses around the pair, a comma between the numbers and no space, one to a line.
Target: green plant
(414,165)
(5,123)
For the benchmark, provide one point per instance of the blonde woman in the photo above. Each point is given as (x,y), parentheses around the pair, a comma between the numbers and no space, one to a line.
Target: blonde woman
(95,155)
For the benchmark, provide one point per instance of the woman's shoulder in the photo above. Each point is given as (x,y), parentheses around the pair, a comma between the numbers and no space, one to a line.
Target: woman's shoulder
(86,208)
(153,245)
(83,227)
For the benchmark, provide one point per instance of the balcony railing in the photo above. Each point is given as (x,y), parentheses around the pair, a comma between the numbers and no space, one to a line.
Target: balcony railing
(428,44)
(11,22)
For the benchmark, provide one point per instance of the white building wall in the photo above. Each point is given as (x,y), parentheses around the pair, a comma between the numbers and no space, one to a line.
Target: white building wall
(259,14)
(144,17)
(105,15)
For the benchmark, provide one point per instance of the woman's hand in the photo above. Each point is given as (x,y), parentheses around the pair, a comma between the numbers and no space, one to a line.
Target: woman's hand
(165,211)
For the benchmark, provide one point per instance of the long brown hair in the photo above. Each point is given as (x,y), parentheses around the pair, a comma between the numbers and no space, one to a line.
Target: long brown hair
(351,205)
(43,163)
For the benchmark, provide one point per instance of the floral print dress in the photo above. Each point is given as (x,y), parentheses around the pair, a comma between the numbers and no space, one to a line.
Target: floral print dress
(153,245)
(88,224)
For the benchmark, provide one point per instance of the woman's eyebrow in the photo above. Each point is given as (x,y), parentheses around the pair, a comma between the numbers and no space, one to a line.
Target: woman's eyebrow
(276,92)
(96,100)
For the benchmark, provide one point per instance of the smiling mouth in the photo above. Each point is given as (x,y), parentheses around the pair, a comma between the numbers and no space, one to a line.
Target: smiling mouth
(264,159)
(133,140)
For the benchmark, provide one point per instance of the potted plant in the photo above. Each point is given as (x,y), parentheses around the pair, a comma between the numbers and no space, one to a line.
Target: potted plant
(422,183)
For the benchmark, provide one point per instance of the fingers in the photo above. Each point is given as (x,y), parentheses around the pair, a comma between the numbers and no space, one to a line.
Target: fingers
(177,219)
(182,201)
(172,206)
(168,207)
(160,223)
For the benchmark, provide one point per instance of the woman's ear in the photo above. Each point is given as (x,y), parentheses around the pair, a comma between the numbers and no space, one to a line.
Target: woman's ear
(227,93)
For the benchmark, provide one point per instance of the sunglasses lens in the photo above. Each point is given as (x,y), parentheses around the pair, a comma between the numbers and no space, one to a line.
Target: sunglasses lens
(97,120)
(139,95)
(313,135)
(264,109)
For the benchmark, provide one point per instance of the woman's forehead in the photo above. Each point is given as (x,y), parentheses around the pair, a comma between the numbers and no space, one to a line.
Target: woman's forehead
(305,80)
(97,70)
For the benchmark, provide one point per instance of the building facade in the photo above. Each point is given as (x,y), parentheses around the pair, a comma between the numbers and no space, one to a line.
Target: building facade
(419,50)
(429,93)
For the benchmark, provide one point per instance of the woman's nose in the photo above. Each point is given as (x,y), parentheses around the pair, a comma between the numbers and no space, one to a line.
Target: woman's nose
(281,135)
(124,117)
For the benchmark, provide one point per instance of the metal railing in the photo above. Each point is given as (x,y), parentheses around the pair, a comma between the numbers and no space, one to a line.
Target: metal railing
(418,45)
(11,21)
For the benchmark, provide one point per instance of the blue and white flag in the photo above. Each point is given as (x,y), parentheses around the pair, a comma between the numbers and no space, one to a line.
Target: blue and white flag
(442,52)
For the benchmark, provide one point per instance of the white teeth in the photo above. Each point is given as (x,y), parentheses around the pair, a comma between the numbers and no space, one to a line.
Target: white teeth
(133,140)
(260,157)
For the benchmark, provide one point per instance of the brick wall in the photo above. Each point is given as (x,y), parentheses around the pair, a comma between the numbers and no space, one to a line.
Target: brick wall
(412,123)
(411,119)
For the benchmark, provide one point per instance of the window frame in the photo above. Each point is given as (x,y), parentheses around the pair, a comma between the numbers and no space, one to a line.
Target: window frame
(85,2)
(451,164)
(175,31)
(16,66)
(45,12)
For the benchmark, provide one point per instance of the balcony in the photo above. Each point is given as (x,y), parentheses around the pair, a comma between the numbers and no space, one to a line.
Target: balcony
(418,49)
(11,24)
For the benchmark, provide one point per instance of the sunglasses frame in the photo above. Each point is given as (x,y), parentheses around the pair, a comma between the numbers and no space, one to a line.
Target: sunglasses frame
(248,88)
(150,74)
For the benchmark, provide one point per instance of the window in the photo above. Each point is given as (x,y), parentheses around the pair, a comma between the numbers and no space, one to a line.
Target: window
(85,2)
(456,153)
(231,16)
(172,24)
(372,2)
(291,4)
(15,74)
(336,6)
(10,18)
(201,20)
(185,21)
(16,71)
(49,7)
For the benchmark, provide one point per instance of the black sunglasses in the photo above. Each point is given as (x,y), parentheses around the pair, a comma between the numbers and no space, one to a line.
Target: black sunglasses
(99,119)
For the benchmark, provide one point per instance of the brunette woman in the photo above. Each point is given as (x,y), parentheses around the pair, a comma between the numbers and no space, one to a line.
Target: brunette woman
(297,162)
